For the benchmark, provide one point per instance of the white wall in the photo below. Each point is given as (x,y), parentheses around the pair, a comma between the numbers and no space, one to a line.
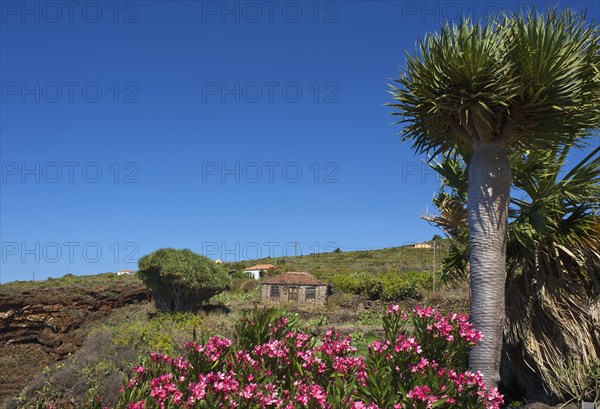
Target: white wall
(255,274)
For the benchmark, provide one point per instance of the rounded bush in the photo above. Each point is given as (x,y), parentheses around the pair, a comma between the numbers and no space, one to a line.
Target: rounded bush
(181,280)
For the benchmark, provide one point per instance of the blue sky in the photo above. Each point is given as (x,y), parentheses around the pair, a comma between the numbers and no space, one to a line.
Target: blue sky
(230,128)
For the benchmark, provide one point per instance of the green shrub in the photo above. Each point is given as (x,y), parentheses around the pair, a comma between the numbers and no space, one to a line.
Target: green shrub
(369,318)
(181,280)
(250,286)
(400,290)
(341,299)
(263,324)
(162,333)
(316,325)
(239,275)
(244,285)
(386,287)
(229,298)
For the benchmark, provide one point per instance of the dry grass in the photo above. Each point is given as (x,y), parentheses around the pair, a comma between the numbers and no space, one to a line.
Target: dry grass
(552,342)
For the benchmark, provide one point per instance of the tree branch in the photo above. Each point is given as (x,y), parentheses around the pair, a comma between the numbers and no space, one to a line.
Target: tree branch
(509,129)
(460,131)
(467,125)
(484,130)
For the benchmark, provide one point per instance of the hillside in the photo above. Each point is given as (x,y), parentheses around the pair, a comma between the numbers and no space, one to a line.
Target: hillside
(44,322)
(393,259)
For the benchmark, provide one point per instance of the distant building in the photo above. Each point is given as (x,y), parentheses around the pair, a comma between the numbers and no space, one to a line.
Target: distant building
(218,261)
(254,271)
(125,272)
(422,246)
(297,287)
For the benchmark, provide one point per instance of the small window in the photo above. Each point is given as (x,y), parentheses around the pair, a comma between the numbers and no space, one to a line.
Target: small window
(274,291)
(311,294)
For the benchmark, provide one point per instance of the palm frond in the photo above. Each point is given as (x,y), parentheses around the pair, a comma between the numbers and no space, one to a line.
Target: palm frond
(530,79)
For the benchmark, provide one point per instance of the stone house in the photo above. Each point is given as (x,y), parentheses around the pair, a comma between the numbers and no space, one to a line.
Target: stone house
(297,287)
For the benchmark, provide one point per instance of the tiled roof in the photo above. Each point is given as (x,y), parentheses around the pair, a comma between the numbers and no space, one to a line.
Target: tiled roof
(293,277)
(260,267)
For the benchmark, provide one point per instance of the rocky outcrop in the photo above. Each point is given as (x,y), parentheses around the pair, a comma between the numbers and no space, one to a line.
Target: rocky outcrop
(40,324)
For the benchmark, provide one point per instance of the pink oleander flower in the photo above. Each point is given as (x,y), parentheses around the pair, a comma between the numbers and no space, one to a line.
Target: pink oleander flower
(159,358)
(443,327)
(422,364)
(273,349)
(243,357)
(181,363)
(197,390)
(379,347)
(393,309)
(310,360)
(318,394)
(214,348)
(225,383)
(301,338)
(334,344)
(494,399)
(361,377)
(346,364)
(248,391)
(423,312)
(362,405)
(469,333)
(269,397)
(407,344)
(137,405)
(419,392)
(302,393)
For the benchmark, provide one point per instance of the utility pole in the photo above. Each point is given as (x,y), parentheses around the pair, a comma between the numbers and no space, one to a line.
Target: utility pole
(434,266)
(33,275)
(295,249)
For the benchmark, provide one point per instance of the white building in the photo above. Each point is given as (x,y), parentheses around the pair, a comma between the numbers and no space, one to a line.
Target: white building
(255,271)
(422,246)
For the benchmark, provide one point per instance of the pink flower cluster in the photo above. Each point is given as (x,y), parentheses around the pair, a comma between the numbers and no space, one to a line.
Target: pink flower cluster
(213,349)
(444,326)
(298,371)
(278,324)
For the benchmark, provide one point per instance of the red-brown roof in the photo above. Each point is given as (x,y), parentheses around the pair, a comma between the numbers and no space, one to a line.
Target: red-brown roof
(260,267)
(293,277)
